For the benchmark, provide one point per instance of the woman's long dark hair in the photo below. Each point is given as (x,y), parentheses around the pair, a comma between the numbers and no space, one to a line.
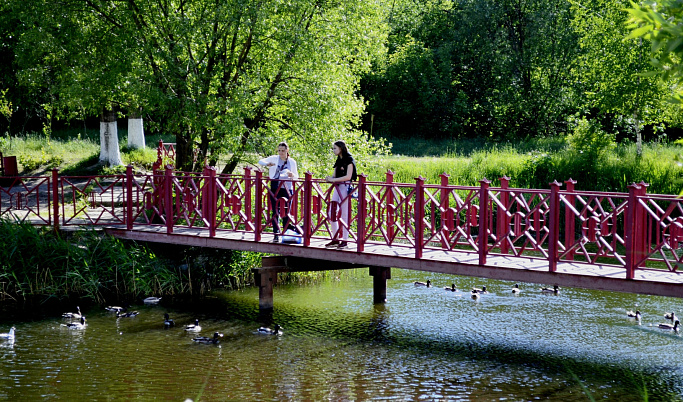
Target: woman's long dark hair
(344,150)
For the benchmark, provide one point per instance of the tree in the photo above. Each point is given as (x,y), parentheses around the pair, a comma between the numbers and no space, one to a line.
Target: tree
(661,23)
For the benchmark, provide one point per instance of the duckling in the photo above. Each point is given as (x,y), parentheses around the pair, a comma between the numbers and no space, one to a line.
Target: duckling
(115,309)
(635,315)
(126,315)
(193,327)
(671,316)
(76,325)
(152,300)
(73,315)
(168,322)
(267,331)
(555,289)
(452,288)
(516,289)
(481,291)
(8,335)
(670,327)
(428,284)
(207,341)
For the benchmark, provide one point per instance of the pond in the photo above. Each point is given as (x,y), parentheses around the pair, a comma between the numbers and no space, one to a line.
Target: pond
(423,344)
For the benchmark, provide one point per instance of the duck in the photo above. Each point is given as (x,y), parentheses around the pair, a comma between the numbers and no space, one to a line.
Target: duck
(426,284)
(126,315)
(73,315)
(276,330)
(671,316)
(635,315)
(475,295)
(207,341)
(451,288)
(76,325)
(516,289)
(152,300)
(8,335)
(193,327)
(673,327)
(168,322)
(481,291)
(555,289)
(115,309)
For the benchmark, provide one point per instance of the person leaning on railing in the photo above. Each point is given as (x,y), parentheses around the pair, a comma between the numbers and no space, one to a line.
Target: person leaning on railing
(280,166)
(344,173)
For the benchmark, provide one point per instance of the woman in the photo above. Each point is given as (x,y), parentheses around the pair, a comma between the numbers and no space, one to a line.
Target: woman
(344,172)
(280,166)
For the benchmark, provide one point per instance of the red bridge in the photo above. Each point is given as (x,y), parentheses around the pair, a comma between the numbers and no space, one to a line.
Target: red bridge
(627,242)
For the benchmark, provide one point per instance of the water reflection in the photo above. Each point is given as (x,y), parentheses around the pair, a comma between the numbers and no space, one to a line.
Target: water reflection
(424,343)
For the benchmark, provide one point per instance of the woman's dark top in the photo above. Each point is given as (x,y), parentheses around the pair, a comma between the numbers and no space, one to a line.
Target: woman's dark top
(341,164)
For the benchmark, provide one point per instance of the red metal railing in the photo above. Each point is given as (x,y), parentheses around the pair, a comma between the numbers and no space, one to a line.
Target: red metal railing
(633,230)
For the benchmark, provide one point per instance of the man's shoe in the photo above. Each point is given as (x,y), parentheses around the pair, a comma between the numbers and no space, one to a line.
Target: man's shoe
(343,245)
(332,243)
(276,239)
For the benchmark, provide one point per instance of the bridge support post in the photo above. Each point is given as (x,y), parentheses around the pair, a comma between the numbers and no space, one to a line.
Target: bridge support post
(265,278)
(379,283)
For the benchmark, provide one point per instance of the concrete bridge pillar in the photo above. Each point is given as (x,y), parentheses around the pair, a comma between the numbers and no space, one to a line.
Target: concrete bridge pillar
(379,283)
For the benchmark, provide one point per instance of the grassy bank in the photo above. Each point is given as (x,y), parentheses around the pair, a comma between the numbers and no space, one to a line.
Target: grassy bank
(37,263)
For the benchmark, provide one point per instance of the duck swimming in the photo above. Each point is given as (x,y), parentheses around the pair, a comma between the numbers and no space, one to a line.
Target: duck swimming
(427,284)
(207,341)
(516,289)
(481,291)
(635,315)
(152,300)
(8,335)
(115,309)
(670,327)
(168,322)
(452,288)
(475,295)
(671,316)
(193,327)
(555,289)
(126,315)
(267,331)
(73,315)
(76,325)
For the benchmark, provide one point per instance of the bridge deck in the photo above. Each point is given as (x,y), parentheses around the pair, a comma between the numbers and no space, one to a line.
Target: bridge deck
(522,269)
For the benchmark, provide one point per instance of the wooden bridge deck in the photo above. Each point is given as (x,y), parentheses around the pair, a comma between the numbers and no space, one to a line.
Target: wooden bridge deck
(590,276)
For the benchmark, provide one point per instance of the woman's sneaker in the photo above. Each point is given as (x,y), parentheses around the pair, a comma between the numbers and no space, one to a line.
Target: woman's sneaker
(332,243)
(343,244)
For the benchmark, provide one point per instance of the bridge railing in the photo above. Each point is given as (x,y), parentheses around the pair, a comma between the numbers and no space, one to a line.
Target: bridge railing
(633,230)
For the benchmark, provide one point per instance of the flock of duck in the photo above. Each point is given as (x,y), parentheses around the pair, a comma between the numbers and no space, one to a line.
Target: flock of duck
(122,312)
(476,293)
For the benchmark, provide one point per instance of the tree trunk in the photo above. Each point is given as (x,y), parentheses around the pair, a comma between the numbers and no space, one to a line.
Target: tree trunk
(136,132)
(109,139)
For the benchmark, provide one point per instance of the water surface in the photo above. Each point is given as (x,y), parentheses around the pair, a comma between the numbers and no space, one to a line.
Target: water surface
(423,344)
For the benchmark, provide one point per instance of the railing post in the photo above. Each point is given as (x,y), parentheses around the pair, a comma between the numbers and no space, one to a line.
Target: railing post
(247,197)
(389,200)
(362,212)
(569,219)
(129,197)
(55,197)
(642,230)
(503,216)
(419,215)
(444,201)
(168,198)
(259,205)
(630,231)
(482,239)
(554,225)
(210,199)
(308,208)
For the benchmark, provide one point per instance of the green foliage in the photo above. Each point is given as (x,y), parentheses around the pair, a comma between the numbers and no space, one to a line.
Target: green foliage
(589,141)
